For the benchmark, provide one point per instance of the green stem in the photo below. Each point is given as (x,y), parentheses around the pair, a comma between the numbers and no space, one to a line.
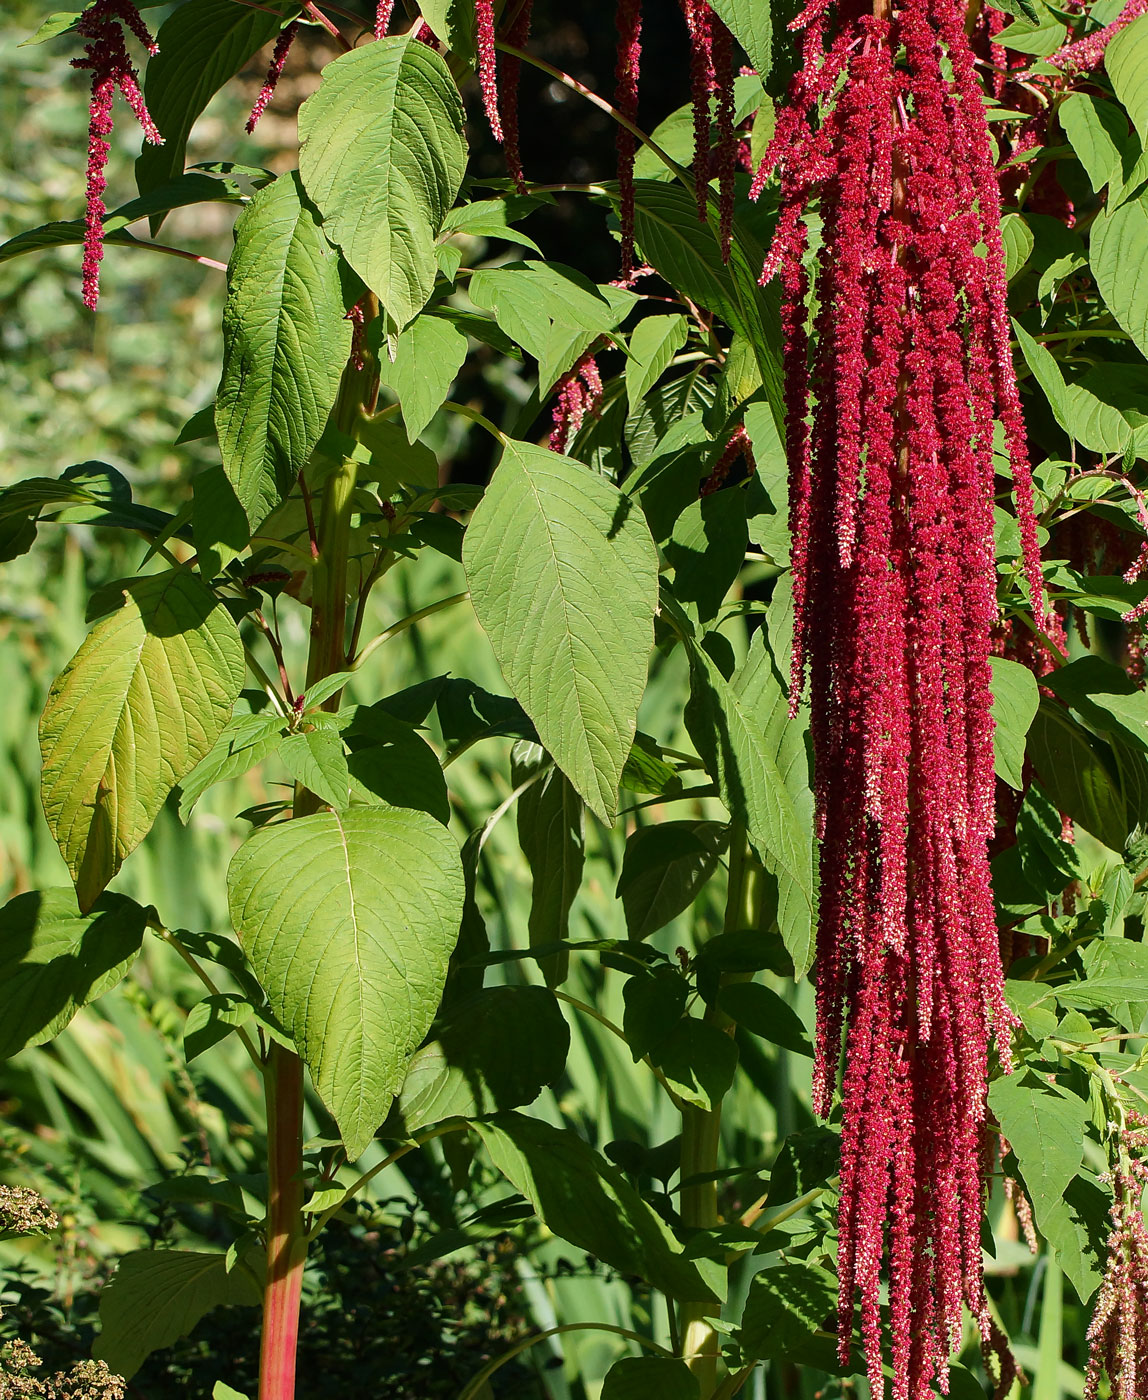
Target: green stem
(701,1133)
(286,1236)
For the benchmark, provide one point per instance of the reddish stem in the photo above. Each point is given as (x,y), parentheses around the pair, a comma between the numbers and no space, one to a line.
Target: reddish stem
(286,1243)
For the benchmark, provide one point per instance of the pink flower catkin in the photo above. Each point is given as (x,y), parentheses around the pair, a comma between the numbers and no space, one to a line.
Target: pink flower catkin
(274,73)
(628,14)
(106,56)
(891,392)
(517,35)
(579,393)
(383,17)
(487,63)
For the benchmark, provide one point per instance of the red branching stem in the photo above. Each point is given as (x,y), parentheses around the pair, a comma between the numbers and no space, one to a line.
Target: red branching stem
(383,17)
(274,72)
(891,394)
(487,63)
(106,56)
(517,36)
(629,21)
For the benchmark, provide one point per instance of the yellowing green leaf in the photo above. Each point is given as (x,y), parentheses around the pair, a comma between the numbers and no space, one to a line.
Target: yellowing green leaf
(133,712)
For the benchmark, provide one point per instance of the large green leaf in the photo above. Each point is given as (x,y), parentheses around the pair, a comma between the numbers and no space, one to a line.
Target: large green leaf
(490,1053)
(383,157)
(650,1378)
(751,24)
(663,869)
(285,343)
(1105,696)
(552,836)
(427,356)
(757,758)
(1015,699)
(553,312)
(141,702)
(54,960)
(786,1314)
(1073,771)
(563,577)
(589,1203)
(1045,1128)
(1098,133)
(202,44)
(654,342)
(1126,63)
(157,1296)
(349,921)
(1118,253)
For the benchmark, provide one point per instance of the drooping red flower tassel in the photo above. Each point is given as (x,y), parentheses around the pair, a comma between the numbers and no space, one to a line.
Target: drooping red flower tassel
(487,63)
(1118,1334)
(579,393)
(274,73)
(383,17)
(698,21)
(721,51)
(891,395)
(628,17)
(517,36)
(106,55)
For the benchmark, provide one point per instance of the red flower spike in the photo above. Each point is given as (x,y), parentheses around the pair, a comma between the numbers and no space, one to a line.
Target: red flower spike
(698,17)
(721,51)
(906,368)
(383,17)
(517,35)
(274,73)
(487,66)
(106,56)
(579,393)
(628,16)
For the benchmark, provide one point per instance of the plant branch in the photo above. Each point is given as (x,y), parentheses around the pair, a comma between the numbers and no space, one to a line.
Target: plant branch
(212,990)
(621,1034)
(401,626)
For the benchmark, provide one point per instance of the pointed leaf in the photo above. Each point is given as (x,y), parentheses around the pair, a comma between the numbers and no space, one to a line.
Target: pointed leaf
(1126,63)
(663,869)
(1045,1128)
(650,1378)
(54,960)
(132,713)
(1118,252)
(157,1296)
(428,356)
(552,835)
(653,344)
(563,577)
(588,1202)
(285,342)
(349,921)
(751,24)
(383,157)
(1015,701)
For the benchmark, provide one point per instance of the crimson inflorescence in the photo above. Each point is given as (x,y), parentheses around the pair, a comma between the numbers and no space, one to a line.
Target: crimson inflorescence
(487,63)
(274,73)
(106,55)
(1118,1334)
(892,388)
(579,393)
(1084,54)
(629,21)
(383,17)
(517,35)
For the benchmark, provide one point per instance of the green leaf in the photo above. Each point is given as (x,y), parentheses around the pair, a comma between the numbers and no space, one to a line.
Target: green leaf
(383,155)
(808,1159)
(707,549)
(563,577)
(1018,243)
(213,1019)
(751,24)
(589,1203)
(699,1062)
(1098,133)
(315,758)
(1076,1228)
(756,758)
(1045,1127)
(54,960)
(492,218)
(650,1378)
(791,1312)
(654,1005)
(553,312)
(1118,252)
(157,1296)
(1015,701)
(1115,970)
(89,493)
(392,763)
(349,921)
(663,869)
(428,356)
(1046,372)
(285,342)
(1126,63)
(1073,772)
(552,837)
(493,1052)
(141,702)
(654,342)
(393,461)
(245,741)
(202,44)
(1105,697)
(759,1009)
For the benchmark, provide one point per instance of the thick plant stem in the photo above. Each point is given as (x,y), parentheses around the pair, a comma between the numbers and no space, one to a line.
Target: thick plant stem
(701,1132)
(286,1244)
(283,1076)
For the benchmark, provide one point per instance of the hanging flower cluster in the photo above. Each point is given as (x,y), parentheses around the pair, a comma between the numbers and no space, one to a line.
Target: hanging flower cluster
(892,389)
(274,73)
(1118,1334)
(1084,54)
(106,55)
(579,393)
